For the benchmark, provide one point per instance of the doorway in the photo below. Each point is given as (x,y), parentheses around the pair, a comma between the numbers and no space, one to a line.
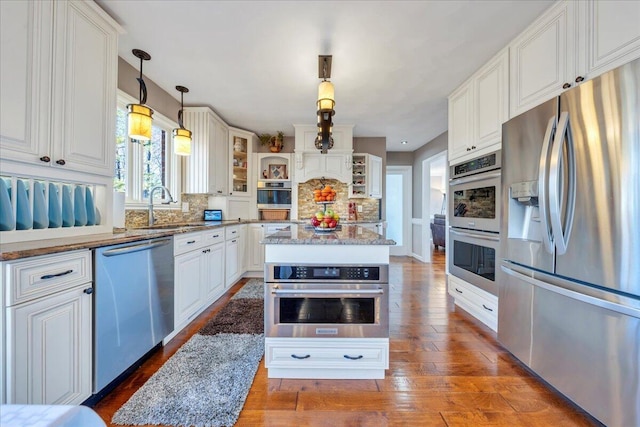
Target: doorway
(434,199)
(398,208)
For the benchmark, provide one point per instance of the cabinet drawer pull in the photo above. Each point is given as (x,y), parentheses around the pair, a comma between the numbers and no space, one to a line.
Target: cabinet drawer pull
(233,241)
(579,79)
(61,162)
(45,159)
(566,86)
(51,276)
(190,242)
(487,308)
(300,357)
(346,356)
(468,149)
(473,147)
(458,290)
(88,291)
(216,235)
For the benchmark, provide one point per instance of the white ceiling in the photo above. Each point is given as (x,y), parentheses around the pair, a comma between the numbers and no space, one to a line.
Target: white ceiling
(256,62)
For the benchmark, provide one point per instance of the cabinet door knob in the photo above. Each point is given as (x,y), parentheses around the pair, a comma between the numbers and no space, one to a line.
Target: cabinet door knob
(566,86)
(45,159)
(219,191)
(61,162)
(579,79)
(88,291)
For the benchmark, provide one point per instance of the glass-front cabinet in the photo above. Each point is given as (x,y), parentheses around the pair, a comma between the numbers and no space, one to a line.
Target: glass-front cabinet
(366,177)
(240,148)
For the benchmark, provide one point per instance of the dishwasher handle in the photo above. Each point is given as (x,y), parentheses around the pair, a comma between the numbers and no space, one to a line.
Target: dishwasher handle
(136,248)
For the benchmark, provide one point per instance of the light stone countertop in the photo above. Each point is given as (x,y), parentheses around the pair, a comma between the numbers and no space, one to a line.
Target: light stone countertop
(348,234)
(18,250)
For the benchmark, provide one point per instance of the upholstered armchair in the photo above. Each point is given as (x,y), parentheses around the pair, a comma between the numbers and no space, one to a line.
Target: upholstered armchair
(438,231)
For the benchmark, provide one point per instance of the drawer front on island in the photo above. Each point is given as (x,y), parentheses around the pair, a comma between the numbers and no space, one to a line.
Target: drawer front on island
(480,304)
(327,358)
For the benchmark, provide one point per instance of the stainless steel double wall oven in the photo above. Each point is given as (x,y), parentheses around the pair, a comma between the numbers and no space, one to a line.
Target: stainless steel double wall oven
(333,301)
(474,219)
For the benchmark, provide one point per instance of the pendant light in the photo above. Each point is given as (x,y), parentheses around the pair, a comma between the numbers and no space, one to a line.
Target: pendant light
(326,103)
(139,116)
(181,136)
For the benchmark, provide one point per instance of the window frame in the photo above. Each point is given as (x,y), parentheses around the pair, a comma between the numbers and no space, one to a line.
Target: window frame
(135,163)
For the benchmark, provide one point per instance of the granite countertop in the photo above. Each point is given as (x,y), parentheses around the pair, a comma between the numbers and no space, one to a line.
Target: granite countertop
(348,234)
(17,250)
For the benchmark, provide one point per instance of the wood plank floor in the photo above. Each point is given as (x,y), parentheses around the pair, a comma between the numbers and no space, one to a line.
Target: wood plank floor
(446,369)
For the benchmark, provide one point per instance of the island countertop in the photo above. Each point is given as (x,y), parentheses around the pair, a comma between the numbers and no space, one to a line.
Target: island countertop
(347,234)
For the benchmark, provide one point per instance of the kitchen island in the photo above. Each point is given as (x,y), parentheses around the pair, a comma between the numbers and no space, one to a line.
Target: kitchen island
(326,303)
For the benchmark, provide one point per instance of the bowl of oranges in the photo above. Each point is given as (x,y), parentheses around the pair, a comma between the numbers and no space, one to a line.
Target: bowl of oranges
(326,194)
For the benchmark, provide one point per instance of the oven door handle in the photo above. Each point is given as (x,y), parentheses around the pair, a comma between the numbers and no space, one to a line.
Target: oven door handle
(474,235)
(474,178)
(378,291)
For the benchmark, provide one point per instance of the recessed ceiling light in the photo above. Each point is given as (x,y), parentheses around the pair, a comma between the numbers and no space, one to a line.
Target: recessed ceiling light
(404,142)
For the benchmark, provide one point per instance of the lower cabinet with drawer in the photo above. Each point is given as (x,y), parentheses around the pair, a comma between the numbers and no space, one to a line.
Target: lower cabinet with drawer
(327,358)
(199,274)
(480,304)
(47,305)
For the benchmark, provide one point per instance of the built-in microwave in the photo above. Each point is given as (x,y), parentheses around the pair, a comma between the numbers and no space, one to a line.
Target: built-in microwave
(274,194)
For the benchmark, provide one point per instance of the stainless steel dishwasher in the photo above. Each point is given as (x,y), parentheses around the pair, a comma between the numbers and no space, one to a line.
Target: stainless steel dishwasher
(133,304)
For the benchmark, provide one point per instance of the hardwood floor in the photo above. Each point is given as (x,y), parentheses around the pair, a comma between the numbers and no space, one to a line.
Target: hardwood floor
(446,369)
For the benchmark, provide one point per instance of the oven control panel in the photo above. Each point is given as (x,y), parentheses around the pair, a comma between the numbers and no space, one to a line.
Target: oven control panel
(322,273)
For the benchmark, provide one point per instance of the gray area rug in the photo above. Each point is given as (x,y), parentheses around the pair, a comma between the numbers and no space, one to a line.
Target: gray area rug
(254,288)
(206,382)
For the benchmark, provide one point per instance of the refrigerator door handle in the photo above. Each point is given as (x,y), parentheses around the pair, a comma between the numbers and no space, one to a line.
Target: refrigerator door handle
(547,237)
(562,233)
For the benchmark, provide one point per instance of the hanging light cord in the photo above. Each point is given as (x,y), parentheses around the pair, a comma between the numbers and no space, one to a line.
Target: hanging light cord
(143,86)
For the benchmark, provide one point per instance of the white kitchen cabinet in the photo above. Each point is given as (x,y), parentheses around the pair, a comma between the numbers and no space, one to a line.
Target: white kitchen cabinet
(232,269)
(214,256)
(199,280)
(241,180)
(480,304)
(255,250)
(242,249)
(327,357)
(366,177)
(570,43)
(189,277)
(59,78)
(49,329)
(608,35)
(477,110)
(208,165)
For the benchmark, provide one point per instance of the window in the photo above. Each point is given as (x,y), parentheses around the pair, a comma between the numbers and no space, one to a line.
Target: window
(141,166)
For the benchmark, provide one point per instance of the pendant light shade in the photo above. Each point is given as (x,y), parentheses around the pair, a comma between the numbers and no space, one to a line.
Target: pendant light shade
(139,116)
(181,136)
(326,98)
(326,103)
(182,142)
(139,122)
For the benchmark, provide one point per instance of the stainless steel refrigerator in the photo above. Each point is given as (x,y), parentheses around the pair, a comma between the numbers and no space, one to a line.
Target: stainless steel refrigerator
(569,289)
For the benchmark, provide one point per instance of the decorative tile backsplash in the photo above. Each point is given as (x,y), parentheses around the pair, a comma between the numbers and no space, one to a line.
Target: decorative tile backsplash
(307,206)
(197,204)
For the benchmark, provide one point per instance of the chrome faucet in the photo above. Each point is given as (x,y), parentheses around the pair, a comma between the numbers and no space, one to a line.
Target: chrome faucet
(159,187)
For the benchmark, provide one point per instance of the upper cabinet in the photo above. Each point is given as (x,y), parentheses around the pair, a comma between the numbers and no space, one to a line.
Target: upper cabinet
(310,163)
(570,43)
(366,177)
(240,148)
(59,76)
(477,110)
(207,166)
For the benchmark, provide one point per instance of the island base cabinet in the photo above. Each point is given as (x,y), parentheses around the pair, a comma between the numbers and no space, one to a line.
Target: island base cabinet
(49,349)
(327,358)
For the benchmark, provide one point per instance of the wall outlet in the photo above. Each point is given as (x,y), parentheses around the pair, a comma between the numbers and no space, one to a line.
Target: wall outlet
(185,207)
(359,208)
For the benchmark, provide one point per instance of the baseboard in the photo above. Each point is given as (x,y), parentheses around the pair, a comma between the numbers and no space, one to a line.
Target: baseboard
(418,257)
